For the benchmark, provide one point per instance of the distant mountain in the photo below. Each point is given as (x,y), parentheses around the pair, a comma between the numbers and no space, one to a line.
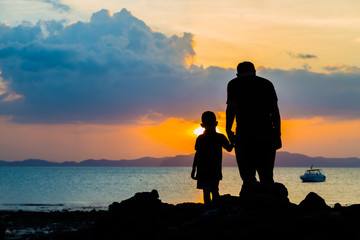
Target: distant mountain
(283,159)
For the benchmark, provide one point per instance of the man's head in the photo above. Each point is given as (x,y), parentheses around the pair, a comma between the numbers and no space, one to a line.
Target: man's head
(245,69)
(208,119)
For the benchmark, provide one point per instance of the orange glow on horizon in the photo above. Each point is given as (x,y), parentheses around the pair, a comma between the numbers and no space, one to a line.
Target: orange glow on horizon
(175,133)
(314,137)
(180,134)
(75,142)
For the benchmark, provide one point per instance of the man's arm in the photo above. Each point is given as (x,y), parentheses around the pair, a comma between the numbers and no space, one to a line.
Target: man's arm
(276,120)
(230,116)
(227,145)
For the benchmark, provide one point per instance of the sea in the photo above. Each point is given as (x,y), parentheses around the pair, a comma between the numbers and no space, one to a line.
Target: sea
(88,188)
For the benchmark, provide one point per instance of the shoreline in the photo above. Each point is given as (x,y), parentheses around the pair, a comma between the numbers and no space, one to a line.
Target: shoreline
(260,211)
(34,207)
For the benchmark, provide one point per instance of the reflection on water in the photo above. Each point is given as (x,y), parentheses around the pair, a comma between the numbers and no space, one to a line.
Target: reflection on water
(82,187)
(341,185)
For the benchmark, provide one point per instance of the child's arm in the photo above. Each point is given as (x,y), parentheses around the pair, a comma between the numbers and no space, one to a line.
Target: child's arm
(195,163)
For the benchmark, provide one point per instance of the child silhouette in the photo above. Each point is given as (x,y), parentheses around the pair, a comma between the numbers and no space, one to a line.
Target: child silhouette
(208,157)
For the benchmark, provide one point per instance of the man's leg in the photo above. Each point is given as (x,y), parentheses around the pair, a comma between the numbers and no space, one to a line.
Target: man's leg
(215,195)
(265,166)
(244,159)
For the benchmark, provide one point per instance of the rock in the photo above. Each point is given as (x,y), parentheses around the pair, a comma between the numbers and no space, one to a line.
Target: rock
(227,199)
(114,207)
(144,216)
(313,202)
(188,209)
(2,232)
(350,211)
(212,212)
(261,211)
(264,195)
(143,201)
(337,206)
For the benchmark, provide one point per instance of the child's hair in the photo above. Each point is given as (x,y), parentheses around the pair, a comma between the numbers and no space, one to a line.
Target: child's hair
(208,118)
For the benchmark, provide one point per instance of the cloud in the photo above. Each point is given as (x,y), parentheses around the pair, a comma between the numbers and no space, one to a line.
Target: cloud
(342,68)
(116,69)
(113,68)
(305,94)
(7,95)
(57,5)
(301,55)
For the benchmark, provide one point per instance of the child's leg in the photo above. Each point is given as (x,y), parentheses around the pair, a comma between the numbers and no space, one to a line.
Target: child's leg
(215,195)
(207,199)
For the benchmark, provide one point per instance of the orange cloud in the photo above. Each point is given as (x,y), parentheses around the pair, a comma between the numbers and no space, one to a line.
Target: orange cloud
(175,133)
(179,133)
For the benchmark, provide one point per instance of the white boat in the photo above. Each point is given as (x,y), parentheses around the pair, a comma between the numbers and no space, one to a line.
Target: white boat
(313,175)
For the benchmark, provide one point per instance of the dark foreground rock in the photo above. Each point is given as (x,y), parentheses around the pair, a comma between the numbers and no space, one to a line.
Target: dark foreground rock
(47,225)
(261,212)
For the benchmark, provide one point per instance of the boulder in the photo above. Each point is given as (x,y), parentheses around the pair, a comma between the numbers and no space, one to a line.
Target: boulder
(142,201)
(349,211)
(261,211)
(2,232)
(313,202)
(264,195)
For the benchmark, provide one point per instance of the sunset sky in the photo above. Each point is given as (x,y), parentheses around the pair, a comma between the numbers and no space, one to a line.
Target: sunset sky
(126,79)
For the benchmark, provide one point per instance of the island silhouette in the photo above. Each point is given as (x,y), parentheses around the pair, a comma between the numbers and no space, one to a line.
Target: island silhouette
(283,159)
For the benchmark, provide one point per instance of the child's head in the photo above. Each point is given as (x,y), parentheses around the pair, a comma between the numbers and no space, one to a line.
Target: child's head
(208,119)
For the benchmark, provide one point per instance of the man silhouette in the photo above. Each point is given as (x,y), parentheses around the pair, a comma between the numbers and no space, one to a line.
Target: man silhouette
(252,100)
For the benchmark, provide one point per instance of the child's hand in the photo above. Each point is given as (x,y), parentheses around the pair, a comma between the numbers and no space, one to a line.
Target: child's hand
(193,174)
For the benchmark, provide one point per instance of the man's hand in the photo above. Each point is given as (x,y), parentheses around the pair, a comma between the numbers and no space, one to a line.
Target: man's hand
(193,174)
(277,142)
(231,136)
(230,117)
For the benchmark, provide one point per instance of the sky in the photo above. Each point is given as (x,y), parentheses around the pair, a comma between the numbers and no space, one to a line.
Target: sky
(127,79)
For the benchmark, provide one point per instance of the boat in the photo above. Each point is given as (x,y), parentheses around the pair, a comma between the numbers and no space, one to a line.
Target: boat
(313,175)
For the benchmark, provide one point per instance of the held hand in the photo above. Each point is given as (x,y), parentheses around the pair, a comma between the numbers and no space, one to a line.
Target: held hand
(231,136)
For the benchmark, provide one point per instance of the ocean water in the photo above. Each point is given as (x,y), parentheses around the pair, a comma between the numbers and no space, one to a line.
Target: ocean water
(86,188)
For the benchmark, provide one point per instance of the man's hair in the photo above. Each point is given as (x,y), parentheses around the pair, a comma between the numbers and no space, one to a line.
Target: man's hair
(245,67)
(208,118)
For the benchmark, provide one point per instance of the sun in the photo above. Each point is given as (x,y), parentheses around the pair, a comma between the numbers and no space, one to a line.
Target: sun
(200,130)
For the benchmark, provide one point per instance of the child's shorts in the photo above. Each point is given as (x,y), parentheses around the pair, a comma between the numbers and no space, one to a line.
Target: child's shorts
(208,185)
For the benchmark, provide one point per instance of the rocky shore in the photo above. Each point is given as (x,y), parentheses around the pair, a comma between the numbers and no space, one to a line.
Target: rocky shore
(261,211)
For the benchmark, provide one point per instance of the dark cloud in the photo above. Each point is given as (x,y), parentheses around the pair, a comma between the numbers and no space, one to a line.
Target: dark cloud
(57,5)
(301,55)
(113,68)
(116,69)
